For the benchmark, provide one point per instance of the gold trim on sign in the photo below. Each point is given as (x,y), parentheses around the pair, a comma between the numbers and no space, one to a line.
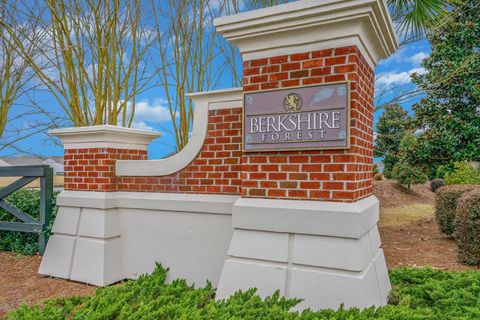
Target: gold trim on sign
(348,114)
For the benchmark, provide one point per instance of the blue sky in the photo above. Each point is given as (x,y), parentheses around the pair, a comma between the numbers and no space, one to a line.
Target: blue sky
(393,75)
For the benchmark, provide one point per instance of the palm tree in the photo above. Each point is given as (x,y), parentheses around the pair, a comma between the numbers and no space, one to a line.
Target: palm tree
(412,17)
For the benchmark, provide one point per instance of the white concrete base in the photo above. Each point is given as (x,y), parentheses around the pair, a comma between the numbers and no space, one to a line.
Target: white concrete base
(326,253)
(101,238)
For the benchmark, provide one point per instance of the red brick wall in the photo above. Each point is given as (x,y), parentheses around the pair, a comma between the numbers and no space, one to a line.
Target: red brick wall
(94,169)
(215,170)
(221,168)
(342,175)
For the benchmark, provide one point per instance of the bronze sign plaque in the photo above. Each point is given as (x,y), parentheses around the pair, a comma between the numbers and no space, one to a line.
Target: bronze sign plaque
(315,117)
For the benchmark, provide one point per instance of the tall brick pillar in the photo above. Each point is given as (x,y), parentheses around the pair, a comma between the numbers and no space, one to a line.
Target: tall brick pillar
(328,175)
(307,220)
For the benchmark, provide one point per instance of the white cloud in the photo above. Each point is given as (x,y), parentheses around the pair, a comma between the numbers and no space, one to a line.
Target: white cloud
(155,111)
(417,58)
(388,80)
(419,70)
(142,126)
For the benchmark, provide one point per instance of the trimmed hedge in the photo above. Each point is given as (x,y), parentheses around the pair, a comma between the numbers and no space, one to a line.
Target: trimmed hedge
(27,200)
(467,227)
(446,204)
(424,293)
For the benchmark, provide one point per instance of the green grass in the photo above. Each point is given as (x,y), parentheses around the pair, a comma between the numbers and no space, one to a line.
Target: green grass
(417,294)
(397,216)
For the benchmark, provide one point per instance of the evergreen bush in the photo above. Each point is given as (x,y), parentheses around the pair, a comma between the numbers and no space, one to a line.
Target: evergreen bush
(417,294)
(446,204)
(28,201)
(467,227)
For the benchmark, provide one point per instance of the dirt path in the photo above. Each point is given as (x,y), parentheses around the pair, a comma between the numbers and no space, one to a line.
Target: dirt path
(20,283)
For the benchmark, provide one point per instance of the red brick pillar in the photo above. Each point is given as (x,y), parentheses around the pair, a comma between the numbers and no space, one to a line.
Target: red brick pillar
(93,169)
(327,175)
(91,154)
(306,223)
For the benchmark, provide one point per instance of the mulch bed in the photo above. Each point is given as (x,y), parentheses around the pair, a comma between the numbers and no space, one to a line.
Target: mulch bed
(419,244)
(20,283)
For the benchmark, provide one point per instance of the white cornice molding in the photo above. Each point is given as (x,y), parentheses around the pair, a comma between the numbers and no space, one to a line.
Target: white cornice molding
(105,136)
(203,101)
(179,202)
(308,25)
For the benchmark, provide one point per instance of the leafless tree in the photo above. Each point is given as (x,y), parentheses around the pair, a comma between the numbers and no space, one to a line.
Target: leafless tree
(91,56)
(185,44)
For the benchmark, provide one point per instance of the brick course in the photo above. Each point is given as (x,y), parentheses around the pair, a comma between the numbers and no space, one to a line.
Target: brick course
(221,168)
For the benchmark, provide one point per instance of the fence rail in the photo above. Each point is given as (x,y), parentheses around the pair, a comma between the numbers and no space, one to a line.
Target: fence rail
(29,224)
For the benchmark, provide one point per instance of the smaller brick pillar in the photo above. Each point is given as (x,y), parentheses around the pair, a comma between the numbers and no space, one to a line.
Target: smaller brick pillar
(86,241)
(306,223)
(93,169)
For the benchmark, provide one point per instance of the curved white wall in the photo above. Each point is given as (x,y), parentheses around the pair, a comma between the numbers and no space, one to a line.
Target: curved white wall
(204,102)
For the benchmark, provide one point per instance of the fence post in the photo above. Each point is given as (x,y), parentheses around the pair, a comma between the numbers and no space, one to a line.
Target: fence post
(46,192)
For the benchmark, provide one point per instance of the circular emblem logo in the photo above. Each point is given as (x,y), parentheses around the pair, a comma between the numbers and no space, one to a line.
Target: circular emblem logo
(292,102)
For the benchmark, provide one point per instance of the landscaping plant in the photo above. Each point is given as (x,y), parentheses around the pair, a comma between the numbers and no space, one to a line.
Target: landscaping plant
(467,227)
(463,173)
(28,201)
(446,205)
(424,294)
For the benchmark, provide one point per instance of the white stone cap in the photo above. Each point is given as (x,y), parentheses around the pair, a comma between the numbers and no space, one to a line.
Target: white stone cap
(105,136)
(309,25)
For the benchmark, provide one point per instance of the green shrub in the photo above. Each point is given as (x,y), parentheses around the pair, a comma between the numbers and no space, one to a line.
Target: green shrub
(28,201)
(436,183)
(424,294)
(463,173)
(446,205)
(467,227)
(442,170)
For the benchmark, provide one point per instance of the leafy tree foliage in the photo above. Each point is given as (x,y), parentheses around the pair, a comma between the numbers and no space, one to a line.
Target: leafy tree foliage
(449,115)
(391,128)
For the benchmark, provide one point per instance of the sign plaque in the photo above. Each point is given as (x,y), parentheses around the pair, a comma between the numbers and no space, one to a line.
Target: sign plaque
(315,117)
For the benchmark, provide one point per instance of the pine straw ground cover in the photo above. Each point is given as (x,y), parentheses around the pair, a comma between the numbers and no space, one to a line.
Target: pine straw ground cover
(417,294)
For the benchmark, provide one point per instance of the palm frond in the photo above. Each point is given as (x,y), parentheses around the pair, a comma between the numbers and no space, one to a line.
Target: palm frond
(413,17)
